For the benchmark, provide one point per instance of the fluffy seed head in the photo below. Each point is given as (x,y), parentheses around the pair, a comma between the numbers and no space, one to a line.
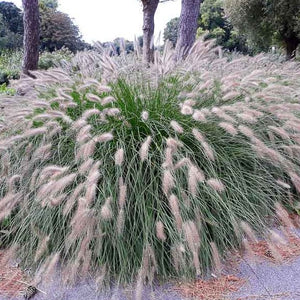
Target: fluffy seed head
(119,157)
(145,115)
(160,232)
(216,184)
(167,182)
(177,128)
(145,148)
(106,211)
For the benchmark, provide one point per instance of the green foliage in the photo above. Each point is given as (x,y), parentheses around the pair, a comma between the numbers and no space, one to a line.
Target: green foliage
(54,59)
(264,21)
(214,22)
(11,26)
(10,65)
(215,25)
(49,3)
(58,30)
(7,91)
(171,31)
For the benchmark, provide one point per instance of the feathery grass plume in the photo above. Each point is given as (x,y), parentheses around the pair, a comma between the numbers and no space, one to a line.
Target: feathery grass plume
(174,144)
(50,269)
(216,259)
(295,180)
(247,118)
(60,184)
(93,98)
(276,238)
(145,115)
(43,245)
(55,201)
(12,182)
(122,195)
(9,255)
(283,184)
(199,116)
(43,152)
(112,112)
(79,124)
(177,252)
(106,211)
(190,102)
(33,180)
(160,232)
(145,148)
(105,137)
(87,150)
(249,250)
(229,128)
(207,148)
(283,216)
(168,182)
(187,110)
(193,241)
(91,191)
(168,163)
(175,125)
(119,157)
(71,201)
(107,100)
(195,175)
(35,131)
(216,184)
(249,232)
(84,134)
(86,166)
(174,206)
(120,222)
(139,285)
(183,162)
(87,114)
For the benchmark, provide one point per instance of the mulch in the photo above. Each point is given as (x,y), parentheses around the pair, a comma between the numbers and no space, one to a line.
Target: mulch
(11,279)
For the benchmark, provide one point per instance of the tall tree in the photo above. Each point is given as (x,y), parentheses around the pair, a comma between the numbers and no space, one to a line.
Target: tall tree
(149,9)
(171,31)
(57,30)
(265,21)
(31,35)
(190,10)
(11,26)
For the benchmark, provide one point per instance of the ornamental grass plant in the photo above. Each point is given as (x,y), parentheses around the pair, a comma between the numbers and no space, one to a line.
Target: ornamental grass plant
(137,172)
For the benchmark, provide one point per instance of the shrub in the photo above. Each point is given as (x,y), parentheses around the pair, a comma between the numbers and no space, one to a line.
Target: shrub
(147,170)
(54,59)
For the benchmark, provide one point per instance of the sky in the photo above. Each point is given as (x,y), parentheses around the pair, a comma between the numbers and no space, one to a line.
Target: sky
(105,20)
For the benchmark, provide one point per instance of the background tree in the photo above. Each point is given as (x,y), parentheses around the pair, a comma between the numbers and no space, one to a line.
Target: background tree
(188,24)
(58,30)
(149,9)
(214,22)
(31,35)
(49,3)
(11,26)
(266,20)
(171,31)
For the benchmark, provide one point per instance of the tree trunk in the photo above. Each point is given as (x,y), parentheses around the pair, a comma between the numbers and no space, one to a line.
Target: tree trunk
(190,10)
(291,45)
(31,35)
(149,9)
